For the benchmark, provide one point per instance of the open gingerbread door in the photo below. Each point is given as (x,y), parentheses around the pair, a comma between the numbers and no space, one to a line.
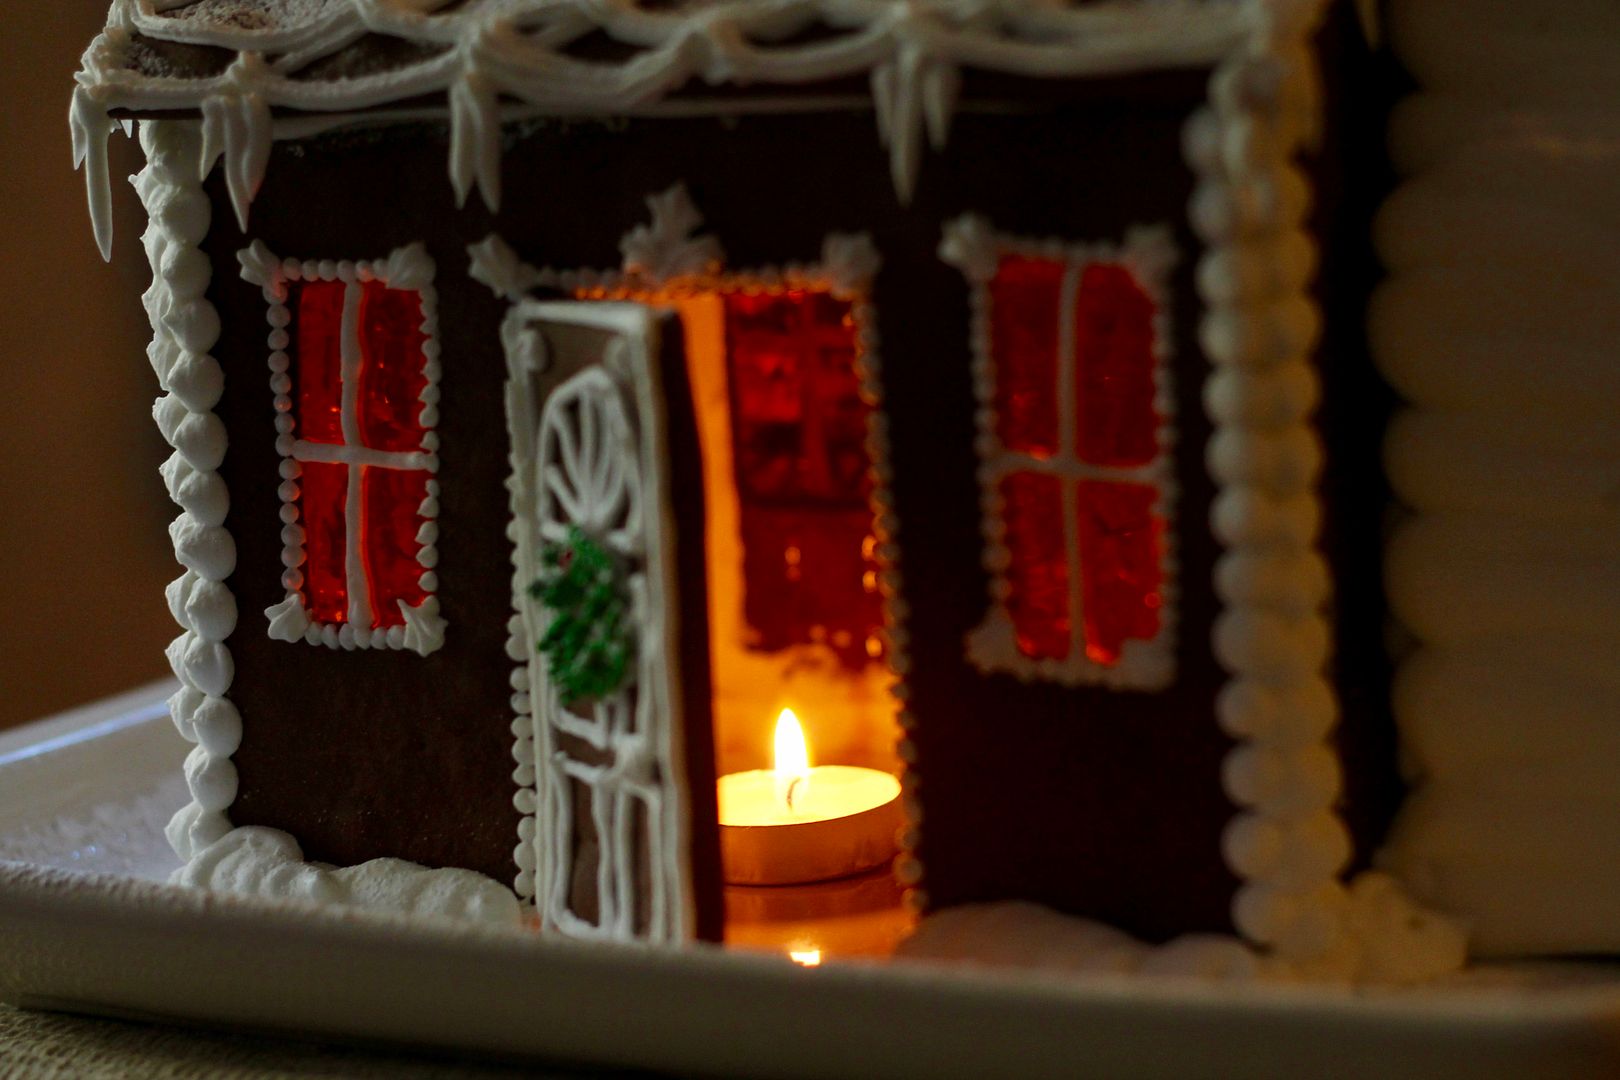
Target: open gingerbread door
(611,624)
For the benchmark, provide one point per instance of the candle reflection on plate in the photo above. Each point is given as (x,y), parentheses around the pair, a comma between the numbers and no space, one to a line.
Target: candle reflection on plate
(859,917)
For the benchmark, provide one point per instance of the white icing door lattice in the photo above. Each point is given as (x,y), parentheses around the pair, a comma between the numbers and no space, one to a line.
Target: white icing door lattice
(614,828)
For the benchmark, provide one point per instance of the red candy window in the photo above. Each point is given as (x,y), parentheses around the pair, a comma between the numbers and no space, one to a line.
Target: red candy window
(354,368)
(1075,449)
(799,444)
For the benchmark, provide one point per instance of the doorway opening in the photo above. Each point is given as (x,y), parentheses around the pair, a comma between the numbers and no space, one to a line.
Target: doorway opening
(793,557)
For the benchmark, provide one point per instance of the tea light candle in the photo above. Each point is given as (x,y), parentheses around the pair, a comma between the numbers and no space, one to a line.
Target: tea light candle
(793,823)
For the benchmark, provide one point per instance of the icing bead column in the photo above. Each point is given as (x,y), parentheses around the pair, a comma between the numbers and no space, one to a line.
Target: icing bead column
(1260,328)
(184,327)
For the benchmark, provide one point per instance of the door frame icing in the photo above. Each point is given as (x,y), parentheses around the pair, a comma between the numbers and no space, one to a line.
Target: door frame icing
(634,368)
(668,254)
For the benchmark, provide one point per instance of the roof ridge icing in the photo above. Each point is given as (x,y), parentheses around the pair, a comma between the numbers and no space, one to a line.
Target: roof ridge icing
(250,57)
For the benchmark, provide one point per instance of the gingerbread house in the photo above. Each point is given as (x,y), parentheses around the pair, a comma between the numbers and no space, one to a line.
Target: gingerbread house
(560,388)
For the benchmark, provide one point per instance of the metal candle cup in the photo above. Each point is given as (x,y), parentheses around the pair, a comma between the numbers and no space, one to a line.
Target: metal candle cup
(842,820)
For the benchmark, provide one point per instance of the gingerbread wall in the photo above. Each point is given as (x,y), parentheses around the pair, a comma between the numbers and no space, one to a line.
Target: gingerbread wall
(1090,800)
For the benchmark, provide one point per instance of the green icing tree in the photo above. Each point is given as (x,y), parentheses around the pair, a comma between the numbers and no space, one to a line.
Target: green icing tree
(589,645)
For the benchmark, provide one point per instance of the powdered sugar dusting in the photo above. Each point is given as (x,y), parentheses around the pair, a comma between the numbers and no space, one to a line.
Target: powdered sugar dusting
(121,835)
(250,15)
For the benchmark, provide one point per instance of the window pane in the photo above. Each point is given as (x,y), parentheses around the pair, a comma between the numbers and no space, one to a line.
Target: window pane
(798,422)
(798,429)
(391,378)
(1024,300)
(392,498)
(1120,544)
(1038,565)
(809,577)
(317,366)
(1113,338)
(322,491)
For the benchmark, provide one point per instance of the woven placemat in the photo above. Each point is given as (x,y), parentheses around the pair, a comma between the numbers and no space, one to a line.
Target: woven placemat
(48,1046)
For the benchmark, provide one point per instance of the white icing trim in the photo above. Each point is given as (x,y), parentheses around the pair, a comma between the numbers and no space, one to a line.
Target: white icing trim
(496,266)
(584,436)
(526,357)
(1259,329)
(257,861)
(668,248)
(407,267)
(236,127)
(846,267)
(849,263)
(90,127)
(1149,253)
(291,128)
(185,327)
(1026,936)
(911,52)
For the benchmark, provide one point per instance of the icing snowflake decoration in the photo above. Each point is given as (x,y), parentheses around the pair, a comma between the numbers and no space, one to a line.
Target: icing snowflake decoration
(658,253)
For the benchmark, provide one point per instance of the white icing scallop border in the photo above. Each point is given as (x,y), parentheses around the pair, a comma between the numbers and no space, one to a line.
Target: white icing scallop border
(1259,329)
(407,267)
(974,247)
(667,254)
(185,327)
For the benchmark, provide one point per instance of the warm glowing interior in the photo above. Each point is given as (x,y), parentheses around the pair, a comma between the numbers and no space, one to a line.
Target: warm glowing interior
(837,686)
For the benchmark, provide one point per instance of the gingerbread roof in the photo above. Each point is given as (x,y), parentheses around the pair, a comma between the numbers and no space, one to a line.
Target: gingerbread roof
(240,63)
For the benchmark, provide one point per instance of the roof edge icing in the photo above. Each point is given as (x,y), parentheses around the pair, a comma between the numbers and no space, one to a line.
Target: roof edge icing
(484,54)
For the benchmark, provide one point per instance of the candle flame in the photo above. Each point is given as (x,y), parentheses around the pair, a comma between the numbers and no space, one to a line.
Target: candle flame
(792,758)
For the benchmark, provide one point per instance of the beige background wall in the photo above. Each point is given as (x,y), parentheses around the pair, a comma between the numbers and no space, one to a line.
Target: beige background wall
(82,510)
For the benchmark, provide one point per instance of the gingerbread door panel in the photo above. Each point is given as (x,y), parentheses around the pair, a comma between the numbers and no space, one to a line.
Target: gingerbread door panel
(609,589)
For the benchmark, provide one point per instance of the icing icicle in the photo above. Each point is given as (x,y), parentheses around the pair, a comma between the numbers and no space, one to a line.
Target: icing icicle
(475,140)
(236,127)
(91,128)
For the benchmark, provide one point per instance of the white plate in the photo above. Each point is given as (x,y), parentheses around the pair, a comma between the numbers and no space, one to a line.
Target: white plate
(86,923)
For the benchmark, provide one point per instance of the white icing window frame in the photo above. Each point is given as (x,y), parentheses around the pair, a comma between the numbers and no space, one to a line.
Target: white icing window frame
(975,248)
(409,267)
